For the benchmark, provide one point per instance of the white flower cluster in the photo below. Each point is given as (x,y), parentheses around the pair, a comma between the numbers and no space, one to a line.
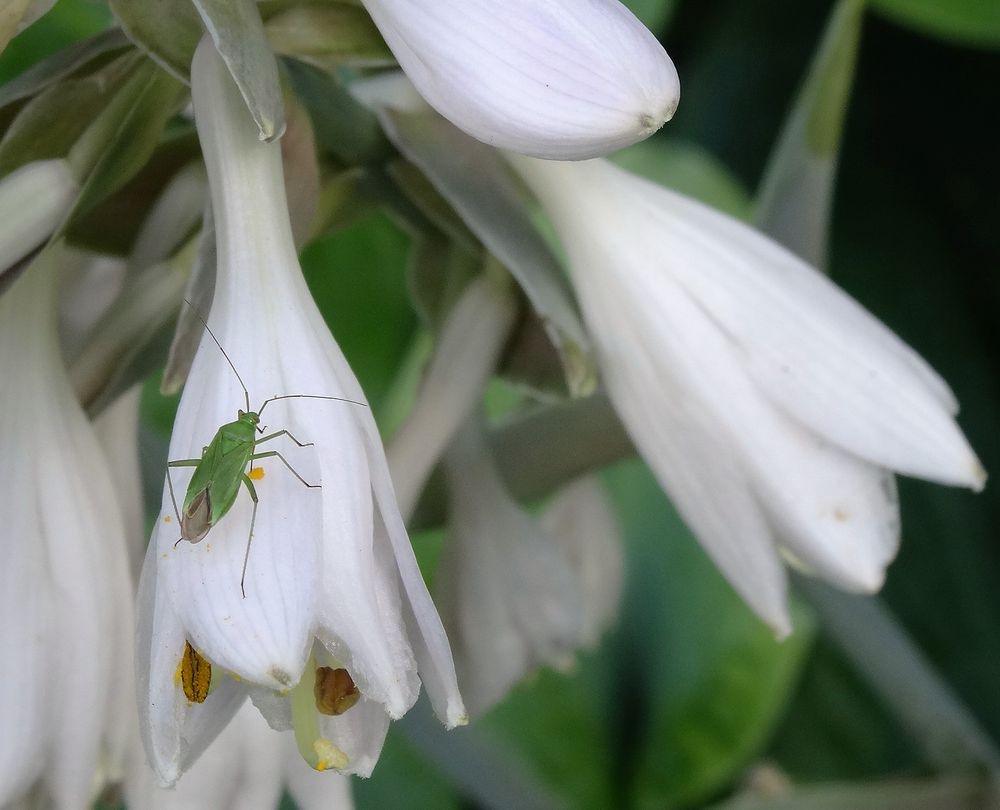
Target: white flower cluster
(772,408)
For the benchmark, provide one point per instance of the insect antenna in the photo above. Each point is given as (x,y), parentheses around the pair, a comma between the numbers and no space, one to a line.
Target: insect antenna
(246,394)
(308,396)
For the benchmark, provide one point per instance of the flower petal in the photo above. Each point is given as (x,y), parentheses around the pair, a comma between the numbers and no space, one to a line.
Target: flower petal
(662,400)
(813,350)
(173,731)
(426,633)
(581,521)
(508,595)
(33,200)
(561,79)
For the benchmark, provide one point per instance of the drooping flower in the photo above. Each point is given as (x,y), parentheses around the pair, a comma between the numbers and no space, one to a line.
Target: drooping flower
(507,593)
(770,405)
(65,595)
(335,612)
(560,79)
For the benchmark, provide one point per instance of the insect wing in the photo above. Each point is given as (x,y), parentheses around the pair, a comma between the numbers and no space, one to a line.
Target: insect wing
(197,517)
(235,448)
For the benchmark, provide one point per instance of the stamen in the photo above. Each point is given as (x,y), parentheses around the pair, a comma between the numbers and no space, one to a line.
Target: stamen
(196,674)
(316,750)
(256,473)
(334,691)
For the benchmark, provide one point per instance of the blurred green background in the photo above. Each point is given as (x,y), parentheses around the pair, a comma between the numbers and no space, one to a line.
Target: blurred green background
(690,693)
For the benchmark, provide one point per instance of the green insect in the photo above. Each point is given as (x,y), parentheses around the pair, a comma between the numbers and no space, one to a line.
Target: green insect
(223,468)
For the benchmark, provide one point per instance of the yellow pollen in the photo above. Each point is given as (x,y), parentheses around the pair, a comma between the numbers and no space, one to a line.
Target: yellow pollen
(328,755)
(167,519)
(256,473)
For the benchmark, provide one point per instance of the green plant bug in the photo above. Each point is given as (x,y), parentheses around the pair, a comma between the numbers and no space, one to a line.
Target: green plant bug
(223,466)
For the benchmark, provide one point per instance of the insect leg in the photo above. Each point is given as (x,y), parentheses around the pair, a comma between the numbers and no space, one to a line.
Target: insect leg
(275,453)
(270,436)
(184,462)
(253,519)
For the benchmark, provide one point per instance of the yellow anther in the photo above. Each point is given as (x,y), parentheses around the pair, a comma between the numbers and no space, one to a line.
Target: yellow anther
(334,691)
(167,519)
(196,674)
(256,473)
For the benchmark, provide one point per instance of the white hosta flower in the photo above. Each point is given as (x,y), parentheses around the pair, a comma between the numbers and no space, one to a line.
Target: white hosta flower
(581,520)
(464,359)
(33,200)
(771,406)
(565,79)
(334,598)
(506,592)
(65,595)
(245,768)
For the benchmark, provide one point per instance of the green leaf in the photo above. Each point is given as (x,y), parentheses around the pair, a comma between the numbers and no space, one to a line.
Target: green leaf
(327,35)
(11,13)
(343,127)
(168,31)
(654,13)
(121,140)
(68,22)
(62,65)
(560,726)
(795,197)
(689,169)
(403,781)
(238,33)
(712,681)
(52,122)
(968,22)
(357,278)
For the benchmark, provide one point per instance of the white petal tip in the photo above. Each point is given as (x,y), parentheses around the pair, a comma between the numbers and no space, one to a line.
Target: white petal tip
(869,582)
(166,777)
(781,626)
(650,123)
(978,477)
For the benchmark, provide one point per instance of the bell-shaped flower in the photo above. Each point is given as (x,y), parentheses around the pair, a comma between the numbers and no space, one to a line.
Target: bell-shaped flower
(34,198)
(557,79)
(65,594)
(336,620)
(508,595)
(245,768)
(770,405)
